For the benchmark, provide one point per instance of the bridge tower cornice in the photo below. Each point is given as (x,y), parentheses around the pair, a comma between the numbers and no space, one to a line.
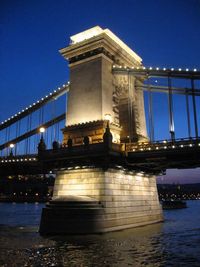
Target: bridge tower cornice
(105,42)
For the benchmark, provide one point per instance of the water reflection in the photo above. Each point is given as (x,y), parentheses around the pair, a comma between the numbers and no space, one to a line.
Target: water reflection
(173,243)
(135,247)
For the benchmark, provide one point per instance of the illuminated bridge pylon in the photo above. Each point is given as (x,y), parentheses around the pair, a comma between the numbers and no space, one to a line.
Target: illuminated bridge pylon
(108,157)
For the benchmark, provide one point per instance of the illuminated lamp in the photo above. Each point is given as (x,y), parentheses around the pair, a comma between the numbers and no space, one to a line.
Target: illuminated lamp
(42,129)
(108,117)
(11,145)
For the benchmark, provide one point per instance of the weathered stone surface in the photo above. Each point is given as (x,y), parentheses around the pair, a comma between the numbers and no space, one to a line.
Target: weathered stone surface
(123,202)
(95,92)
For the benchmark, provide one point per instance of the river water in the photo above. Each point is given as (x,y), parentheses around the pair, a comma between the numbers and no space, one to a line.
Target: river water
(176,242)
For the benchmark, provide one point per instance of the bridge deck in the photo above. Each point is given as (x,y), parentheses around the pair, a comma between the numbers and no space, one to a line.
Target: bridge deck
(149,157)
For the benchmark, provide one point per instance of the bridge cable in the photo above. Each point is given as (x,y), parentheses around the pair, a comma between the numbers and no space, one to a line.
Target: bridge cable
(170,106)
(194,108)
(30,126)
(33,132)
(188,113)
(150,109)
(8,138)
(57,131)
(26,140)
(54,126)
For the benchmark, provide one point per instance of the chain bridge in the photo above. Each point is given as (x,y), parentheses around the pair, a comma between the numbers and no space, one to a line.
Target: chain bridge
(97,134)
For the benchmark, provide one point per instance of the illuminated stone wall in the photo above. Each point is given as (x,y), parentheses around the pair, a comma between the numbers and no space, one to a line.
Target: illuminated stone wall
(95,90)
(90,96)
(129,199)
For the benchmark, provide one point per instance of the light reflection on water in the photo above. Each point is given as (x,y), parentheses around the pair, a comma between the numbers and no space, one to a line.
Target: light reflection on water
(172,243)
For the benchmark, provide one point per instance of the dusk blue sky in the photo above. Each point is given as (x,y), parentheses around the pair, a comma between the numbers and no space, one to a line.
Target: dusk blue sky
(165,33)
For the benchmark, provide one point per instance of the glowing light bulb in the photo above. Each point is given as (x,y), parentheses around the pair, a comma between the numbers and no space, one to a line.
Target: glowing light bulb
(108,117)
(42,129)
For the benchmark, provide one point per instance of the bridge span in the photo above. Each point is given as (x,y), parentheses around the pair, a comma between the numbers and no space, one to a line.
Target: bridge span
(103,147)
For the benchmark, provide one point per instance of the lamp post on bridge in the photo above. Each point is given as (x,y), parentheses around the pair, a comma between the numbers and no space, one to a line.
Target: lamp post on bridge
(11,149)
(41,145)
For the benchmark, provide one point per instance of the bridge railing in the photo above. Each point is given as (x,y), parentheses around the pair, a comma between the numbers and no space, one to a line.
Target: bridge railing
(18,158)
(163,145)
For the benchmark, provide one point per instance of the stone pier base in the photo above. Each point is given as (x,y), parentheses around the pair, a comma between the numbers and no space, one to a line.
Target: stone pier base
(96,201)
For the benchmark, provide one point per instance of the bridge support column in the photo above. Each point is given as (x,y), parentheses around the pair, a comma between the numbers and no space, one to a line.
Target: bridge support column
(95,201)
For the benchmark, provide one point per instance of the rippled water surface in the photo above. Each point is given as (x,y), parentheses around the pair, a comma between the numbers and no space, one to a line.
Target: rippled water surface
(176,242)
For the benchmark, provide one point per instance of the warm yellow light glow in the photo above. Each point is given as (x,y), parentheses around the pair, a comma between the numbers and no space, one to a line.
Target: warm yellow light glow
(42,129)
(95,31)
(108,117)
(86,34)
(12,145)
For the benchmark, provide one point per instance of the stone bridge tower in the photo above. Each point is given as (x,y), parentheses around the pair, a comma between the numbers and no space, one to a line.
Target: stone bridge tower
(97,191)
(97,95)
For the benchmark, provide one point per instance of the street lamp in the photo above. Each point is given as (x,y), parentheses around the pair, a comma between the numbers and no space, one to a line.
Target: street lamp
(42,129)
(108,117)
(11,149)
(41,145)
